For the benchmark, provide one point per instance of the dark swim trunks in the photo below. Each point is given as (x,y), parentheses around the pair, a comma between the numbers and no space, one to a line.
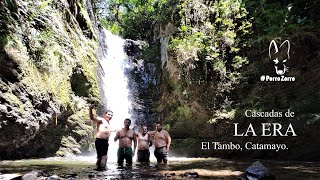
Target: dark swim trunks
(102,146)
(143,155)
(125,154)
(161,154)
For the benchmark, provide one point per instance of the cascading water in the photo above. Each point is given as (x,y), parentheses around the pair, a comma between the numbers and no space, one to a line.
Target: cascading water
(114,65)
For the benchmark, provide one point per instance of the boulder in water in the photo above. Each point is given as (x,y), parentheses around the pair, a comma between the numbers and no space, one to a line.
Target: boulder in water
(191,174)
(53,177)
(169,174)
(257,171)
(33,175)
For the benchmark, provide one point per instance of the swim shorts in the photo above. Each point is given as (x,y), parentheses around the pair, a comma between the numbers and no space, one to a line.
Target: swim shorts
(102,146)
(143,155)
(161,154)
(125,153)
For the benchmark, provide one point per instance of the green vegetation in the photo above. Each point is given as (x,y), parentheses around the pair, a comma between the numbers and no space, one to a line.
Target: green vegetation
(52,58)
(135,19)
(208,31)
(213,32)
(44,46)
(217,53)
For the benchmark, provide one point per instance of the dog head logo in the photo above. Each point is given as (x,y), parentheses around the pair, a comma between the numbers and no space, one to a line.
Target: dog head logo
(280,56)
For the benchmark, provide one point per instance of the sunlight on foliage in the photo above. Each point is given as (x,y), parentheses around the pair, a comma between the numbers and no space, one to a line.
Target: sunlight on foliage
(220,115)
(211,31)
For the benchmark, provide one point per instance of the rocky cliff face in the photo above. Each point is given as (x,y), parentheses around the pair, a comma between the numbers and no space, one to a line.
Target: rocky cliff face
(194,112)
(144,79)
(47,77)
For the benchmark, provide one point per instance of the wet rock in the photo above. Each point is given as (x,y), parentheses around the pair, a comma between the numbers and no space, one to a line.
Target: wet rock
(53,177)
(132,48)
(33,175)
(10,71)
(257,172)
(33,112)
(136,176)
(46,174)
(91,176)
(191,174)
(71,176)
(76,150)
(80,83)
(169,174)
(3,109)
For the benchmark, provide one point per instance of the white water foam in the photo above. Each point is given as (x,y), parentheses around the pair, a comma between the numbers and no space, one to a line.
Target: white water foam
(115,86)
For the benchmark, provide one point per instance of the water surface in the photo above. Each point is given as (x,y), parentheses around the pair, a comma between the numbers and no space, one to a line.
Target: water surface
(207,168)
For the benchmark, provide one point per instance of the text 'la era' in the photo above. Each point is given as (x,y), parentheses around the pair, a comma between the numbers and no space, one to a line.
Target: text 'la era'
(267,129)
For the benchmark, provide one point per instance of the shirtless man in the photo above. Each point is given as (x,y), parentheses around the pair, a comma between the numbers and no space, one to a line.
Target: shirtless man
(144,142)
(162,143)
(102,136)
(126,136)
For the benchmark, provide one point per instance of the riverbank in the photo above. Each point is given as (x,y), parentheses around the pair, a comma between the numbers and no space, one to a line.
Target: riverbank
(178,168)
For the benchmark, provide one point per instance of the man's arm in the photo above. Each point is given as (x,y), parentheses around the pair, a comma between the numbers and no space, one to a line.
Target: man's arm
(168,140)
(117,136)
(150,139)
(93,117)
(151,133)
(136,133)
(134,143)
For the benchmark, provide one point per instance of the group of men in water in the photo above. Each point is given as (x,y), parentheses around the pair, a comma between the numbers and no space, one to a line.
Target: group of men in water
(126,136)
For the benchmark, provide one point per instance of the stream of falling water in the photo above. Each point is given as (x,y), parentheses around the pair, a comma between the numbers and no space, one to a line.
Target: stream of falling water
(114,65)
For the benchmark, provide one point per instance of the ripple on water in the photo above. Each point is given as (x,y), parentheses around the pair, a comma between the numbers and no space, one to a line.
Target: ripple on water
(82,167)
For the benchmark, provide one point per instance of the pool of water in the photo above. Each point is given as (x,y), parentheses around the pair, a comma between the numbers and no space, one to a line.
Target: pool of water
(178,168)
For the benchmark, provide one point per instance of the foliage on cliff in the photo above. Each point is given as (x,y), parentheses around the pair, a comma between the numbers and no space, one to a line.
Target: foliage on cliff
(135,19)
(47,76)
(210,33)
(217,56)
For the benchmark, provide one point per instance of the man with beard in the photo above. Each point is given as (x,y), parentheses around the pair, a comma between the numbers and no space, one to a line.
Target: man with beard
(102,136)
(162,143)
(126,136)
(144,142)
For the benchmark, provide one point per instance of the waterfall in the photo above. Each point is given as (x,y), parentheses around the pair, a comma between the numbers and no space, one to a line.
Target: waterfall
(115,84)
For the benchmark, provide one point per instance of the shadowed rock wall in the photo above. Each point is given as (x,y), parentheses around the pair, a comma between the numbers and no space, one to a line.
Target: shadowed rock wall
(47,78)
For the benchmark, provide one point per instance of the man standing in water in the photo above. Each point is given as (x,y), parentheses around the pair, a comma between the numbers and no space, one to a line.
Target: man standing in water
(144,142)
(126,136)
(162,143)
(102,136)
